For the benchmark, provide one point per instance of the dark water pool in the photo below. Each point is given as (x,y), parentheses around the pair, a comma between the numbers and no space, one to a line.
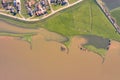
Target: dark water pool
(97,41)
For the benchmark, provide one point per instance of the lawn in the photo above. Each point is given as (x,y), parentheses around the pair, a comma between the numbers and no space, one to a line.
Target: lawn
(85,18)
(56,7)
(72,1)
(0,4)
(76,21)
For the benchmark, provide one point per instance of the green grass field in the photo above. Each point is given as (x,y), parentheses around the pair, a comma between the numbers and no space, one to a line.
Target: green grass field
(116,14)
(114,7)
(85,18)
(72,1)
(76,21)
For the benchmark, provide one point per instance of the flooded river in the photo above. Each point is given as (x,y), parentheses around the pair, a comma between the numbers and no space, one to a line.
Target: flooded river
(45,61)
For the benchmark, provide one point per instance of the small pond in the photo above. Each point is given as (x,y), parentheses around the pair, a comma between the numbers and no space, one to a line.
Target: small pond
(96,41)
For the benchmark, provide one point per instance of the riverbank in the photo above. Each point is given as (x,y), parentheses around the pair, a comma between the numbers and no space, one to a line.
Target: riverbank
(69,23)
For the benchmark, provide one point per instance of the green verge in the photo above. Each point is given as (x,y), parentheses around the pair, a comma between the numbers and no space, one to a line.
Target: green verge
(72,1)
(116,14)
(55,7)
(100,51)
(75,21)
(26,36)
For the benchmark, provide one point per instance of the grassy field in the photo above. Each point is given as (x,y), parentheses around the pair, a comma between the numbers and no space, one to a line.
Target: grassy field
(72,1)
(76,21)
(114,7)
(55,7)
(116,14)
(85,18)
(100,52)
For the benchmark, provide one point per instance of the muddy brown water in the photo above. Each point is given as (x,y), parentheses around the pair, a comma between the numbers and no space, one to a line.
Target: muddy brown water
(47,62)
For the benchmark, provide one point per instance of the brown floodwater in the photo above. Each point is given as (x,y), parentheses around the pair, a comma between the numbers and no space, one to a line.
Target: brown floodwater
(45,61)
(6,27)
(112,62)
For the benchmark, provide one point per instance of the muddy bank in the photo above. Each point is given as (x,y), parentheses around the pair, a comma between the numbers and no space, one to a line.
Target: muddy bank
(6,27)
(49,36)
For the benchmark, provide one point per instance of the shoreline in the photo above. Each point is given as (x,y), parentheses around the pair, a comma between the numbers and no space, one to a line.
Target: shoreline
(78,43)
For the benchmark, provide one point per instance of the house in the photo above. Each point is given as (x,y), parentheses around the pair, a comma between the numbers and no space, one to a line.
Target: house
(4,3)
(18,7)
(18,1)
